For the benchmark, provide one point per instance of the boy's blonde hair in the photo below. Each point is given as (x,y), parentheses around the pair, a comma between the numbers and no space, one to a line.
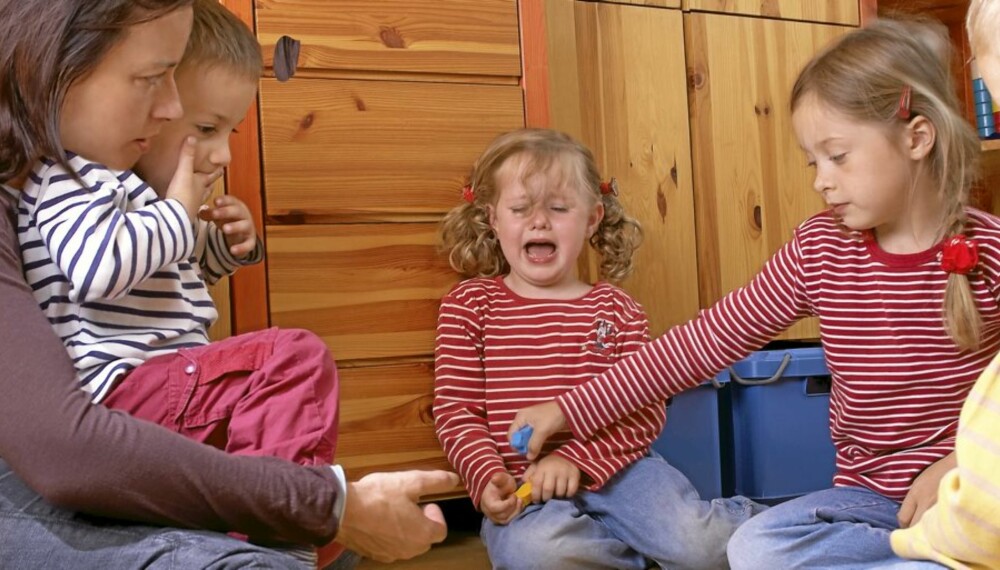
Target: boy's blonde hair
(473,248)
(983,23)
(220,39)
(863,76)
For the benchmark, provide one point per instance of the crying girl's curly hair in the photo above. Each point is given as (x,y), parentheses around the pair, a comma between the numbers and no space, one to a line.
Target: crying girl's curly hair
(474,250)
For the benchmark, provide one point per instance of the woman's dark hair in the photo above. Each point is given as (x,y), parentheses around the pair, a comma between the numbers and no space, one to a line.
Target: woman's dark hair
(46,46)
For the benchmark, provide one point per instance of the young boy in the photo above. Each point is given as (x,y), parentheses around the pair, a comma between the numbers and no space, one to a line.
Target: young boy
(961,530)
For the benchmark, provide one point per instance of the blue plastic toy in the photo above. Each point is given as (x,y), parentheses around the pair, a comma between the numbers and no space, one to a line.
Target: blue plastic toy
(520,440)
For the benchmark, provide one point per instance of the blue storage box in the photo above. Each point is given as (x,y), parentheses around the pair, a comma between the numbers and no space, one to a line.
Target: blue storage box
(696,439)
(781,429)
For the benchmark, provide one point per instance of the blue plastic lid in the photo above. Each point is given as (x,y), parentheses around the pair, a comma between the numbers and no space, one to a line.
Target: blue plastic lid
(765,363)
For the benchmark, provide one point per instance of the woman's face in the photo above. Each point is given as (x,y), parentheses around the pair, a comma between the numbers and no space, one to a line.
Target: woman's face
(110,115)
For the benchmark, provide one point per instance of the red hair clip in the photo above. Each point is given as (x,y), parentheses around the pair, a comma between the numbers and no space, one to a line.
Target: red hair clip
(959,255)
(903,109)
(468,194)
(609,187)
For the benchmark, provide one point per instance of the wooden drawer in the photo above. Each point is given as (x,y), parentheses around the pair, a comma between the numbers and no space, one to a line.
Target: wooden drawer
(827,11)
(385,419)
(369,290)
(344,147)
(468,37)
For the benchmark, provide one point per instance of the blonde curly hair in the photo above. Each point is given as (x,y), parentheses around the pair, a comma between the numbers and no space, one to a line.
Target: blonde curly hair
(468,238)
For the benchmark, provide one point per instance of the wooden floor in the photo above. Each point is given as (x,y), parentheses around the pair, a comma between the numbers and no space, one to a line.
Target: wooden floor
(462,550)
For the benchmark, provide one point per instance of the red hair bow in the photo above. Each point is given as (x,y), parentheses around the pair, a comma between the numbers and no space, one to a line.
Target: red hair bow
(610,187)
(959,255)
(468,194)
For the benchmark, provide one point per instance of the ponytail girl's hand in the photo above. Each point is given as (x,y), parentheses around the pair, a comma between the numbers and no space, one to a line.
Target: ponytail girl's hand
(233,217)
(187,187)
(923,492)
(544,419)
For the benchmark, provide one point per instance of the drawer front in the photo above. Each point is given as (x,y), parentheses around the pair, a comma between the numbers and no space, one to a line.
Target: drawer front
(466,37)
(345,147)
(385,419)
(827,11)
(369,290)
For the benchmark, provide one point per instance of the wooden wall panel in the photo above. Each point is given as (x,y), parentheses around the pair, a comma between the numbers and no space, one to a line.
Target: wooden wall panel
(388,409)
(369,290)
(752,183)
(476,37)
(649,3)
(632,84)
(343,148)
(830,11)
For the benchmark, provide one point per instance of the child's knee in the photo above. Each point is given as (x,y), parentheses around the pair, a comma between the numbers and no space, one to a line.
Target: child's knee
(746,548)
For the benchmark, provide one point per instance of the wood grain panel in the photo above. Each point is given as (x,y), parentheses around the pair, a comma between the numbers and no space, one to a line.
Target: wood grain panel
(369,290)
(386,422)
(478,37)
(355,147)
(223,326)
(629,79)
(829,11)
(751,180)
(650,3)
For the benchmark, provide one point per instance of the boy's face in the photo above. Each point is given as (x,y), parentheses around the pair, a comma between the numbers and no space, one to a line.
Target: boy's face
(215,100)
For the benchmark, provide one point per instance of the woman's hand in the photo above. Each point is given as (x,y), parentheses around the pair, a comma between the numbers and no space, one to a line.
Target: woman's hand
(544,419)
(924,491)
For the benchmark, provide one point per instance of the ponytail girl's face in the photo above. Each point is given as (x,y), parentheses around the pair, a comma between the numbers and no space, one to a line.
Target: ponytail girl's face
(110,115)
(864,171)
(542,222)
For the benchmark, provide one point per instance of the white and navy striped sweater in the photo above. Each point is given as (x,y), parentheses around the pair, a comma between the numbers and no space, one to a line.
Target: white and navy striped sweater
(898,379)
(118,272)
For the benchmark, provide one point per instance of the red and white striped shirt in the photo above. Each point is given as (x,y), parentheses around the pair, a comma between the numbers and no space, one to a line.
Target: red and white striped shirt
(898,380)
(497,353)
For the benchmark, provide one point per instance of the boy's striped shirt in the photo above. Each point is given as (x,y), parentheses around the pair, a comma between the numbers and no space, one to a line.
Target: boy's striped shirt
(117,271)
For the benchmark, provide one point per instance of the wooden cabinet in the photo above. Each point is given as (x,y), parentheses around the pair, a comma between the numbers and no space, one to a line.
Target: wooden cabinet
(620,89)
(359,154)
(752,186)
(633,81)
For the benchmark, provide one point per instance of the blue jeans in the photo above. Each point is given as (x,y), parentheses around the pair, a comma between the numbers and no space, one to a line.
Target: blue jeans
(647,514)
(34,534)
(843,528)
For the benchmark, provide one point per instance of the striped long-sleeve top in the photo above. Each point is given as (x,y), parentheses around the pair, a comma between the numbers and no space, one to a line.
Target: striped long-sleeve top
(118,272)
(498,352)
(961,530)
(898,379)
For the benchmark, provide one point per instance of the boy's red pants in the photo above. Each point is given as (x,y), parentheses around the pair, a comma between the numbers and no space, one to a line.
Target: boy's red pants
(271,393)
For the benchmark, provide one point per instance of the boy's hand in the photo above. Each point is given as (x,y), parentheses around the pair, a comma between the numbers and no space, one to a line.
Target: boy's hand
(189,188)
(499,503)
(232,216)
(553,476)
(923,492)
(544,419)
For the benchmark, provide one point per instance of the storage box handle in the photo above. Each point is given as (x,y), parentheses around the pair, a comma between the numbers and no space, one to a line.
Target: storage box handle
(777,375)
